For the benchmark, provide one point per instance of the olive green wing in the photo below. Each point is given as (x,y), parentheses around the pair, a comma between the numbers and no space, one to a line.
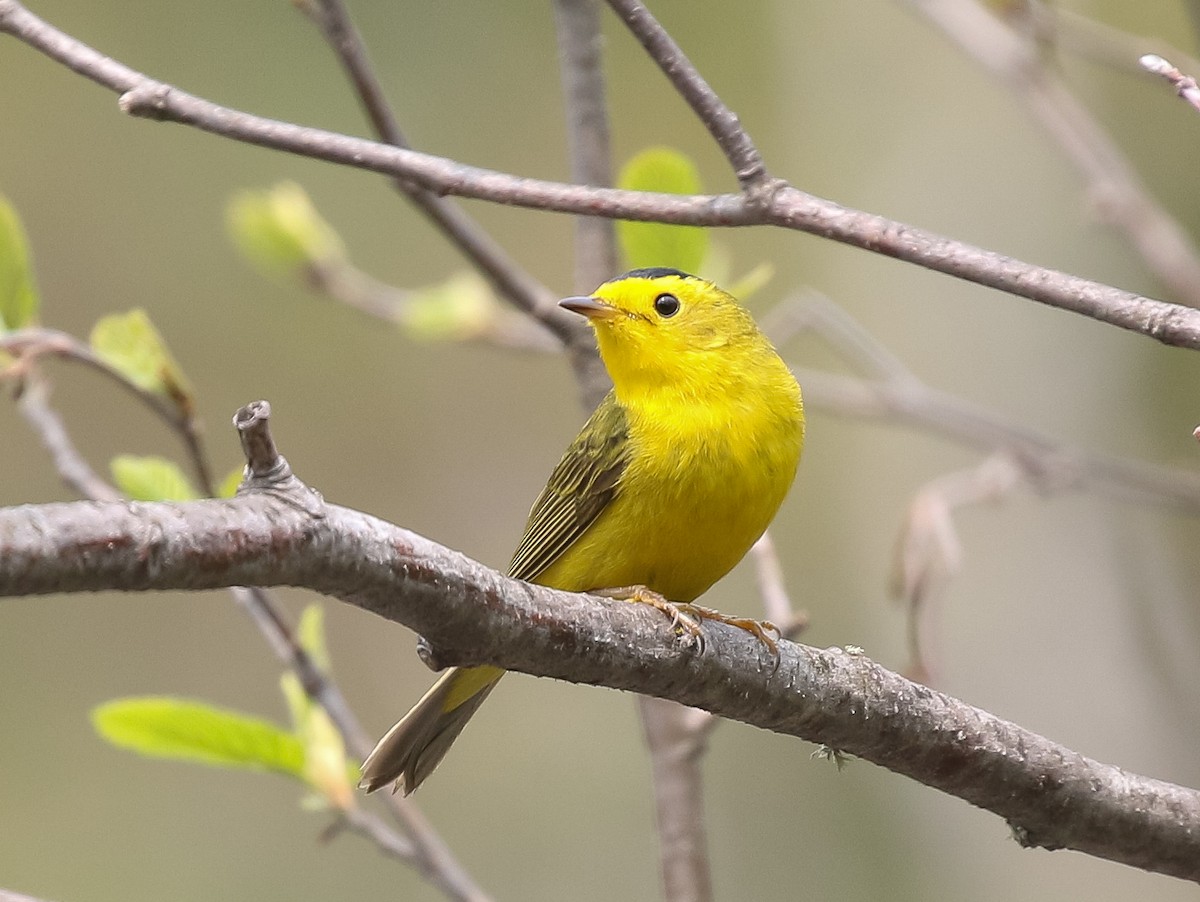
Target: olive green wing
(582,485)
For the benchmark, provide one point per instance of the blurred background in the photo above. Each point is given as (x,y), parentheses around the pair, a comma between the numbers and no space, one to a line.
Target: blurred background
(1074,615)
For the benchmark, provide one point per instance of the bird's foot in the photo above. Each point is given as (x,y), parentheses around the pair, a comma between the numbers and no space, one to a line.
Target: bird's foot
(686,617)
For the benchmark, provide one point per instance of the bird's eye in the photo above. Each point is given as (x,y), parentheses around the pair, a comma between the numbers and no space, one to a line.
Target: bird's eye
(666,305)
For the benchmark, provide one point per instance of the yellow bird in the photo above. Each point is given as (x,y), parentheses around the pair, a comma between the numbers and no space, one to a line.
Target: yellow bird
(671,480)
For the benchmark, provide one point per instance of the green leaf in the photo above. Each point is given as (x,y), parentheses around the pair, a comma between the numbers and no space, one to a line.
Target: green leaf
(18,294)
(280,230)
(151,479)
(461,307)
(129,343)
(193,731)
(645,244)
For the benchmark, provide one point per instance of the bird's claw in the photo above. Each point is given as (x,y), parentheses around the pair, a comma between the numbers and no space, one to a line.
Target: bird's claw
(687,618)
(682,620)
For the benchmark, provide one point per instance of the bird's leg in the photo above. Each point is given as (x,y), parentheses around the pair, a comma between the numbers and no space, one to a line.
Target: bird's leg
(686,616)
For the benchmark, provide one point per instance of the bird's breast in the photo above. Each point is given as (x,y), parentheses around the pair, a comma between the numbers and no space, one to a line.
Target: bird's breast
(701,485)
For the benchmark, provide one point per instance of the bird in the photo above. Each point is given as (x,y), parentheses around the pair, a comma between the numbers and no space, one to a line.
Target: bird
(672,479)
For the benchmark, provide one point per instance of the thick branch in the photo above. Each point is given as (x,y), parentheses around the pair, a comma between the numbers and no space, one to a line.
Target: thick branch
(786,207)
(1051,796)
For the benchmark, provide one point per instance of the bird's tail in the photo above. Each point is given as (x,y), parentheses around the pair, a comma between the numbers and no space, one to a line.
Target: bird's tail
(411,749)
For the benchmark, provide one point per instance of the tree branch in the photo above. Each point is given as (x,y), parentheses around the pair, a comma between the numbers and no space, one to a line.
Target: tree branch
(31,344)
(1185,85)
(675,778)
(786,207)
(423,849)
(577,28)
(675,757)
(1119,197)
(463,232)
(283,534)
(34,404)
(722,122)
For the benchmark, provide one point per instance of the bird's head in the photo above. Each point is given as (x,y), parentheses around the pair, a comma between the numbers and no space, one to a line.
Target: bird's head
(667,329)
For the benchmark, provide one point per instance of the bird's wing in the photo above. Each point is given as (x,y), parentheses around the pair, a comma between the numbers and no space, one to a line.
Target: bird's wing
(582,485)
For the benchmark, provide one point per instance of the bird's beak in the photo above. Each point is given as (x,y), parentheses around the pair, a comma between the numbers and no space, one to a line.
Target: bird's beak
(592,308)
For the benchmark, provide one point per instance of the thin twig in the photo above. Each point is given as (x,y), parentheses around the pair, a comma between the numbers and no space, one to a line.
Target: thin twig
(787,208)
(577,28)
(505,327)
(811,311)
(30,345)
(508,278)
(722,122)
(894,393)
(928,550)
(7,895)
(776,601)
(366,824)
(1100,42)
(676,750)
(1118,194)
(47,425)
(1185,85)
(269,473)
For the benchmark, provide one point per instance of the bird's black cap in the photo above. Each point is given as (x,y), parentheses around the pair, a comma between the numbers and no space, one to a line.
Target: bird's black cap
(654,272)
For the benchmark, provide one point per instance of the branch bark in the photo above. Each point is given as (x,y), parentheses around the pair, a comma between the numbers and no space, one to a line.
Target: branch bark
(1051,796)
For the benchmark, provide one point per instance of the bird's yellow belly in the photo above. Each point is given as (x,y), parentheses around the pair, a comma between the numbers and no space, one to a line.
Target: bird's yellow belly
(679,522)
